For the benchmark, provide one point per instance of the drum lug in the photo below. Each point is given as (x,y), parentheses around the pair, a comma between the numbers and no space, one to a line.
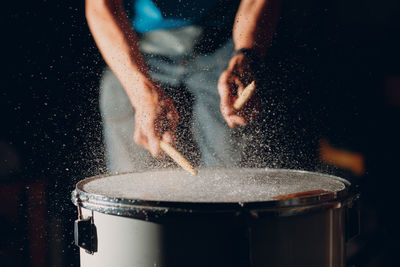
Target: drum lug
(85,234)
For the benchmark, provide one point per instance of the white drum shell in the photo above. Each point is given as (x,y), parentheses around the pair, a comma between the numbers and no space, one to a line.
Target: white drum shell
(314,239)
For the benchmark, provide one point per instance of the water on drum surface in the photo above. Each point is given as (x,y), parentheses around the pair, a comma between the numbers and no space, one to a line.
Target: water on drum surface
(211,185)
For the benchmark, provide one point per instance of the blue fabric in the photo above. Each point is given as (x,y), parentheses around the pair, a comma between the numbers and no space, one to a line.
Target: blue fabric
(169,14)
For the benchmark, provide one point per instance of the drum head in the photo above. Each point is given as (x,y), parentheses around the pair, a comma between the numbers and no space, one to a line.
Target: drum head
(212,188)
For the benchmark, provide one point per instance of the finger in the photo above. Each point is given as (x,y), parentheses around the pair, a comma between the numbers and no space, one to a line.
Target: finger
(140,139)
(168,138)
(224,90)
(154,146)
(236,120)
(240,85)
(153,141)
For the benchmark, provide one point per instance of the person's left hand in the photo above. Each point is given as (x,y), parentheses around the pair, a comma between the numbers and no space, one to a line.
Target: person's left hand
(231,84)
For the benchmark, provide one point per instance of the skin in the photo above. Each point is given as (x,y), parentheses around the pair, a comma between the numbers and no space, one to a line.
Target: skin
(254,26)
(156,117)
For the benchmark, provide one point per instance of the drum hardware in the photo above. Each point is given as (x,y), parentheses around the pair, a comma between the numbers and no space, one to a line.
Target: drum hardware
(85,234)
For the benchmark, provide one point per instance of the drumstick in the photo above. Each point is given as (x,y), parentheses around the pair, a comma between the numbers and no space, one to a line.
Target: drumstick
(177,157)
(244,96)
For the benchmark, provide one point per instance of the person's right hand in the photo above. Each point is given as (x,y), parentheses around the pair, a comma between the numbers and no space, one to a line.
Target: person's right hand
(231,84)
(156,117)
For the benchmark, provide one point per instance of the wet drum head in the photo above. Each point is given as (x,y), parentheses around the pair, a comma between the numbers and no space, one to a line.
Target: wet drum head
(212,190)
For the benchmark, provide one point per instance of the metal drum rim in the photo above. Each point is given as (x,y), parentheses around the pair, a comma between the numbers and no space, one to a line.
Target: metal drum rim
(130,207)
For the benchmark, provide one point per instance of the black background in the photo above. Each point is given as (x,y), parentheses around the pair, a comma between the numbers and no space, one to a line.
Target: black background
(49,106)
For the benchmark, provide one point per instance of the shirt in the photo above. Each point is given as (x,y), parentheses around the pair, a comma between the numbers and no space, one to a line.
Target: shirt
(151,15)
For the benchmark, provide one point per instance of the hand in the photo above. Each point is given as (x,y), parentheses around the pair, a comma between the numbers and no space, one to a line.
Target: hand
(156,117)
(231,84)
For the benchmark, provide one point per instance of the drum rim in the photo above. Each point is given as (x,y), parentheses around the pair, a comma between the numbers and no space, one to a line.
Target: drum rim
(130,207)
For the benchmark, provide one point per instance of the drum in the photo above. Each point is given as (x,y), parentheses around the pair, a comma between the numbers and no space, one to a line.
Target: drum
(222,217)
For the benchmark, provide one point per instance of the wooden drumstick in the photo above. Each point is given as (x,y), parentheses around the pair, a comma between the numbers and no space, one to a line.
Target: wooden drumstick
(244,96)
(177,157)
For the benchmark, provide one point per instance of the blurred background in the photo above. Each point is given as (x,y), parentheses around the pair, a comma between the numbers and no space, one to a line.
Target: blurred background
(341,58)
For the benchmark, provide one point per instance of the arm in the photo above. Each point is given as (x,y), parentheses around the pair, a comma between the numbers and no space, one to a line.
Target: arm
(253,29)
(255,24)
(155,115)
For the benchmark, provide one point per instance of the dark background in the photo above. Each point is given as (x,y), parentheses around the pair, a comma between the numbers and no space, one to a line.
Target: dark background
(50,134)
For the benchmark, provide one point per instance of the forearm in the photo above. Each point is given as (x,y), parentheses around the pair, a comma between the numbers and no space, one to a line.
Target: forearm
(117,42)
(255,24)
